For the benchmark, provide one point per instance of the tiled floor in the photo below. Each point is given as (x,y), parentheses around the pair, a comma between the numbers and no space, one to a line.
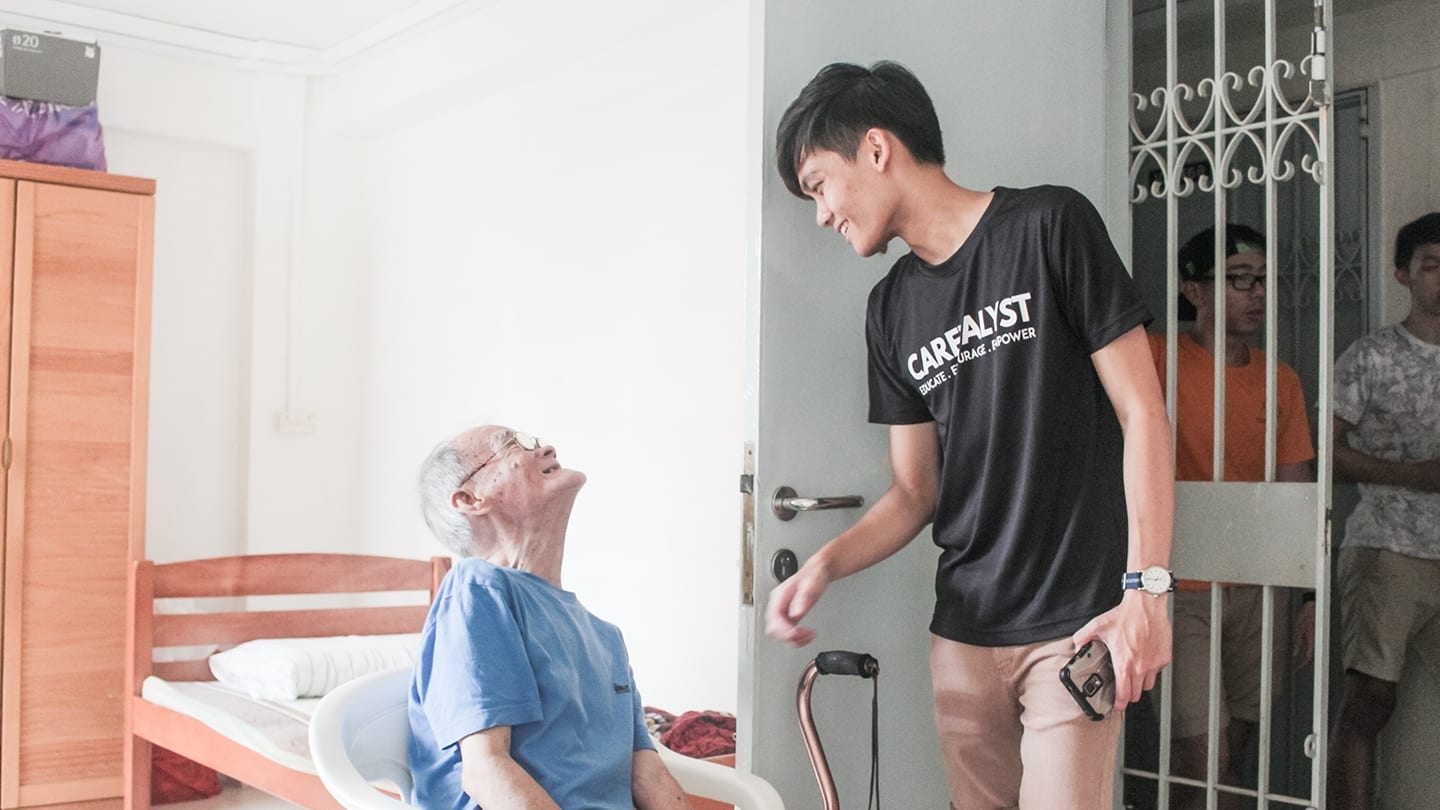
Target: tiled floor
(236,796)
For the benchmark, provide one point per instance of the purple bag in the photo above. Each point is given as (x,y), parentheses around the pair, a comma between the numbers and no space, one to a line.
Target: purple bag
(41,132)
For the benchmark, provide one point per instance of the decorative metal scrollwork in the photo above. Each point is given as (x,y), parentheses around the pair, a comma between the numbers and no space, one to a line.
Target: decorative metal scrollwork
(1229,125)
(1299,276)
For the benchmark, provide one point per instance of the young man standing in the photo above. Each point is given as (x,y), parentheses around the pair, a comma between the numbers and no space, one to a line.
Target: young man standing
(1387,439)
(1008,355)
(1242,281)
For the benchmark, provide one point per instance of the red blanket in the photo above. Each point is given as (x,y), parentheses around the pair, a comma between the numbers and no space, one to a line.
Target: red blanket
(174,778)
(701,734)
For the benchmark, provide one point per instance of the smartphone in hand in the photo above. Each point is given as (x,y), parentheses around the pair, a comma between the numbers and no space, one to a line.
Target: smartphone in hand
(1090,678)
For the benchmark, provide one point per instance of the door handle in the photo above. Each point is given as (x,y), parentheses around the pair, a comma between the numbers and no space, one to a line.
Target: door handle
(785,503)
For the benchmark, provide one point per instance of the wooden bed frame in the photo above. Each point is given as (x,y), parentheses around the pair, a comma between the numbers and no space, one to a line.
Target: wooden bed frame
(148,724)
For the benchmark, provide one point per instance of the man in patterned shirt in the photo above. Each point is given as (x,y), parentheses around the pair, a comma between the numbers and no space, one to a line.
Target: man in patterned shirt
(1387,439)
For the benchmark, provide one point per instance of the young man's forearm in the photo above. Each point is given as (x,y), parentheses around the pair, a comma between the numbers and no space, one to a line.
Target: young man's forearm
(884,529)
(1127,372)
(1149,489)
(1353,465)
(905,508)
(900,513)
(1138,629)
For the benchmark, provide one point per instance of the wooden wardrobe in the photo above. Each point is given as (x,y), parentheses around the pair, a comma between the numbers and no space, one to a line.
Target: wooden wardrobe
(75,267)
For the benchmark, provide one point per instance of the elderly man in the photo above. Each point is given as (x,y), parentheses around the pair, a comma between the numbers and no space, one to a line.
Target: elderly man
(521,697)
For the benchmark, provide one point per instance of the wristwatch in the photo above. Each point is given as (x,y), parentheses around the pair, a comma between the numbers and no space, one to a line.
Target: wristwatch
(1155,580)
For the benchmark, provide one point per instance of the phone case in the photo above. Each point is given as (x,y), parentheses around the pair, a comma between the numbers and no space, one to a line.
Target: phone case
(1090,678)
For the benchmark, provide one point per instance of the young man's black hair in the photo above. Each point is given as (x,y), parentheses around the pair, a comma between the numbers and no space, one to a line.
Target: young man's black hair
(836,108)
(1197,258)
(1423,231)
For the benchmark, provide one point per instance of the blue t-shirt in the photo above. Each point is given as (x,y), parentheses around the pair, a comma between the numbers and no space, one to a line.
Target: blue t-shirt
(506,648)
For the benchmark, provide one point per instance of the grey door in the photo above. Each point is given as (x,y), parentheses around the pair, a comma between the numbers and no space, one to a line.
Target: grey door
(1023,90)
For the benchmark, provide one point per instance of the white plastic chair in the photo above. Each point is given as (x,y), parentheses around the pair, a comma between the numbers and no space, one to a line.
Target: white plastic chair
(359,735)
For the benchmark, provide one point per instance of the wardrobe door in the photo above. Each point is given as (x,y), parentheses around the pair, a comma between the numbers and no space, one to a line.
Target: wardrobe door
(78,397)
(7,267)
(10,585)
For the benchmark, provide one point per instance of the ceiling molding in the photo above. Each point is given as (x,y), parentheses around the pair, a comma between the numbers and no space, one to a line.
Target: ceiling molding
(188,42)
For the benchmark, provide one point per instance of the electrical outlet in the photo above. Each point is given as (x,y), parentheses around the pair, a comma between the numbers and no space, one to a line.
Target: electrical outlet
(295,421)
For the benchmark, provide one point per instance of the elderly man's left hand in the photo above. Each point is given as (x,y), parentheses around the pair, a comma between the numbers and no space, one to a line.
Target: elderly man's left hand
(653,786)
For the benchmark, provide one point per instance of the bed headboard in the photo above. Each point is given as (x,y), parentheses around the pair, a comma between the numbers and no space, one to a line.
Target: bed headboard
(296,575)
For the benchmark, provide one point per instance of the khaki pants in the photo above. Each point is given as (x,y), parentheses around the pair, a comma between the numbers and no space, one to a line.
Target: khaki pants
(1389,604)
(1012,736)
(1241,640)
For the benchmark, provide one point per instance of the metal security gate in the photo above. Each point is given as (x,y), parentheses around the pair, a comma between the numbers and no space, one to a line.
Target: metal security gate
(1231,123)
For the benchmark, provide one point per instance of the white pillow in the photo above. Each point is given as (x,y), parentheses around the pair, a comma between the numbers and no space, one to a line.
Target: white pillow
(294,668)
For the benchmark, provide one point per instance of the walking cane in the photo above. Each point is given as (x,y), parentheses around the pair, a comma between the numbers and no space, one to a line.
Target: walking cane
(837,662)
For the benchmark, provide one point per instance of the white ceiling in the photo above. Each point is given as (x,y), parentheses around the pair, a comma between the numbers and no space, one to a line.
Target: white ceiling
(314,24)
(297,34)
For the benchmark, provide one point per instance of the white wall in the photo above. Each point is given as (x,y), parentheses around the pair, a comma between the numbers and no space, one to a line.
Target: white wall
(190,127)
(521,215)
(199,342)
(549,234)
(1393,48)
(243,325)
(307,327)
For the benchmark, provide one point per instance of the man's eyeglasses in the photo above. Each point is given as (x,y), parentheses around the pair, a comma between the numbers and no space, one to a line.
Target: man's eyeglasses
(524,441)
(1241,282)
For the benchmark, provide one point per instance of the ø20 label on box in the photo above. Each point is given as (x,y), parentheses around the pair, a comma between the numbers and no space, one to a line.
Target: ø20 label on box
(45,67)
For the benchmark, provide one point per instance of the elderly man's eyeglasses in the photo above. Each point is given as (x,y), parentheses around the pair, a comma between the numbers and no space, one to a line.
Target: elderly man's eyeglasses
(524,441)
(1241,282)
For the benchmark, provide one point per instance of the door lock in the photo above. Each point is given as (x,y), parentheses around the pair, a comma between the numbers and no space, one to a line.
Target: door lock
(784,564)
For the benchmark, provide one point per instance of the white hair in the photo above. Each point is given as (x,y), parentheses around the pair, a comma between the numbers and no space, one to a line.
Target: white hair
(440,475)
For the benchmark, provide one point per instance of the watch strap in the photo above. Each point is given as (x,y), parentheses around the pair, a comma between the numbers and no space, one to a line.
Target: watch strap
(1134,580)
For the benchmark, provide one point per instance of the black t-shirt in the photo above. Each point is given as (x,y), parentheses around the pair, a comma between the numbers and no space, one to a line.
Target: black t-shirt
(994,346)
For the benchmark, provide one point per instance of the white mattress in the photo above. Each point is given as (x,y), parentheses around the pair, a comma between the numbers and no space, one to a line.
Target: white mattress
(278,730)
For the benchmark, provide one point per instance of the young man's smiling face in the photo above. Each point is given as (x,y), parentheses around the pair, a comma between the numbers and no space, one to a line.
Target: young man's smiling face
(850,197)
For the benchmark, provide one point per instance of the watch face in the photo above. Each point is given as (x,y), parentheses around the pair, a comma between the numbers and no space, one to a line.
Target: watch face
(1155,579)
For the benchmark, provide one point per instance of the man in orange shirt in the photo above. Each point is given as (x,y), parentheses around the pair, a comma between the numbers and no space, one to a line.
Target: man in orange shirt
(1243,282)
